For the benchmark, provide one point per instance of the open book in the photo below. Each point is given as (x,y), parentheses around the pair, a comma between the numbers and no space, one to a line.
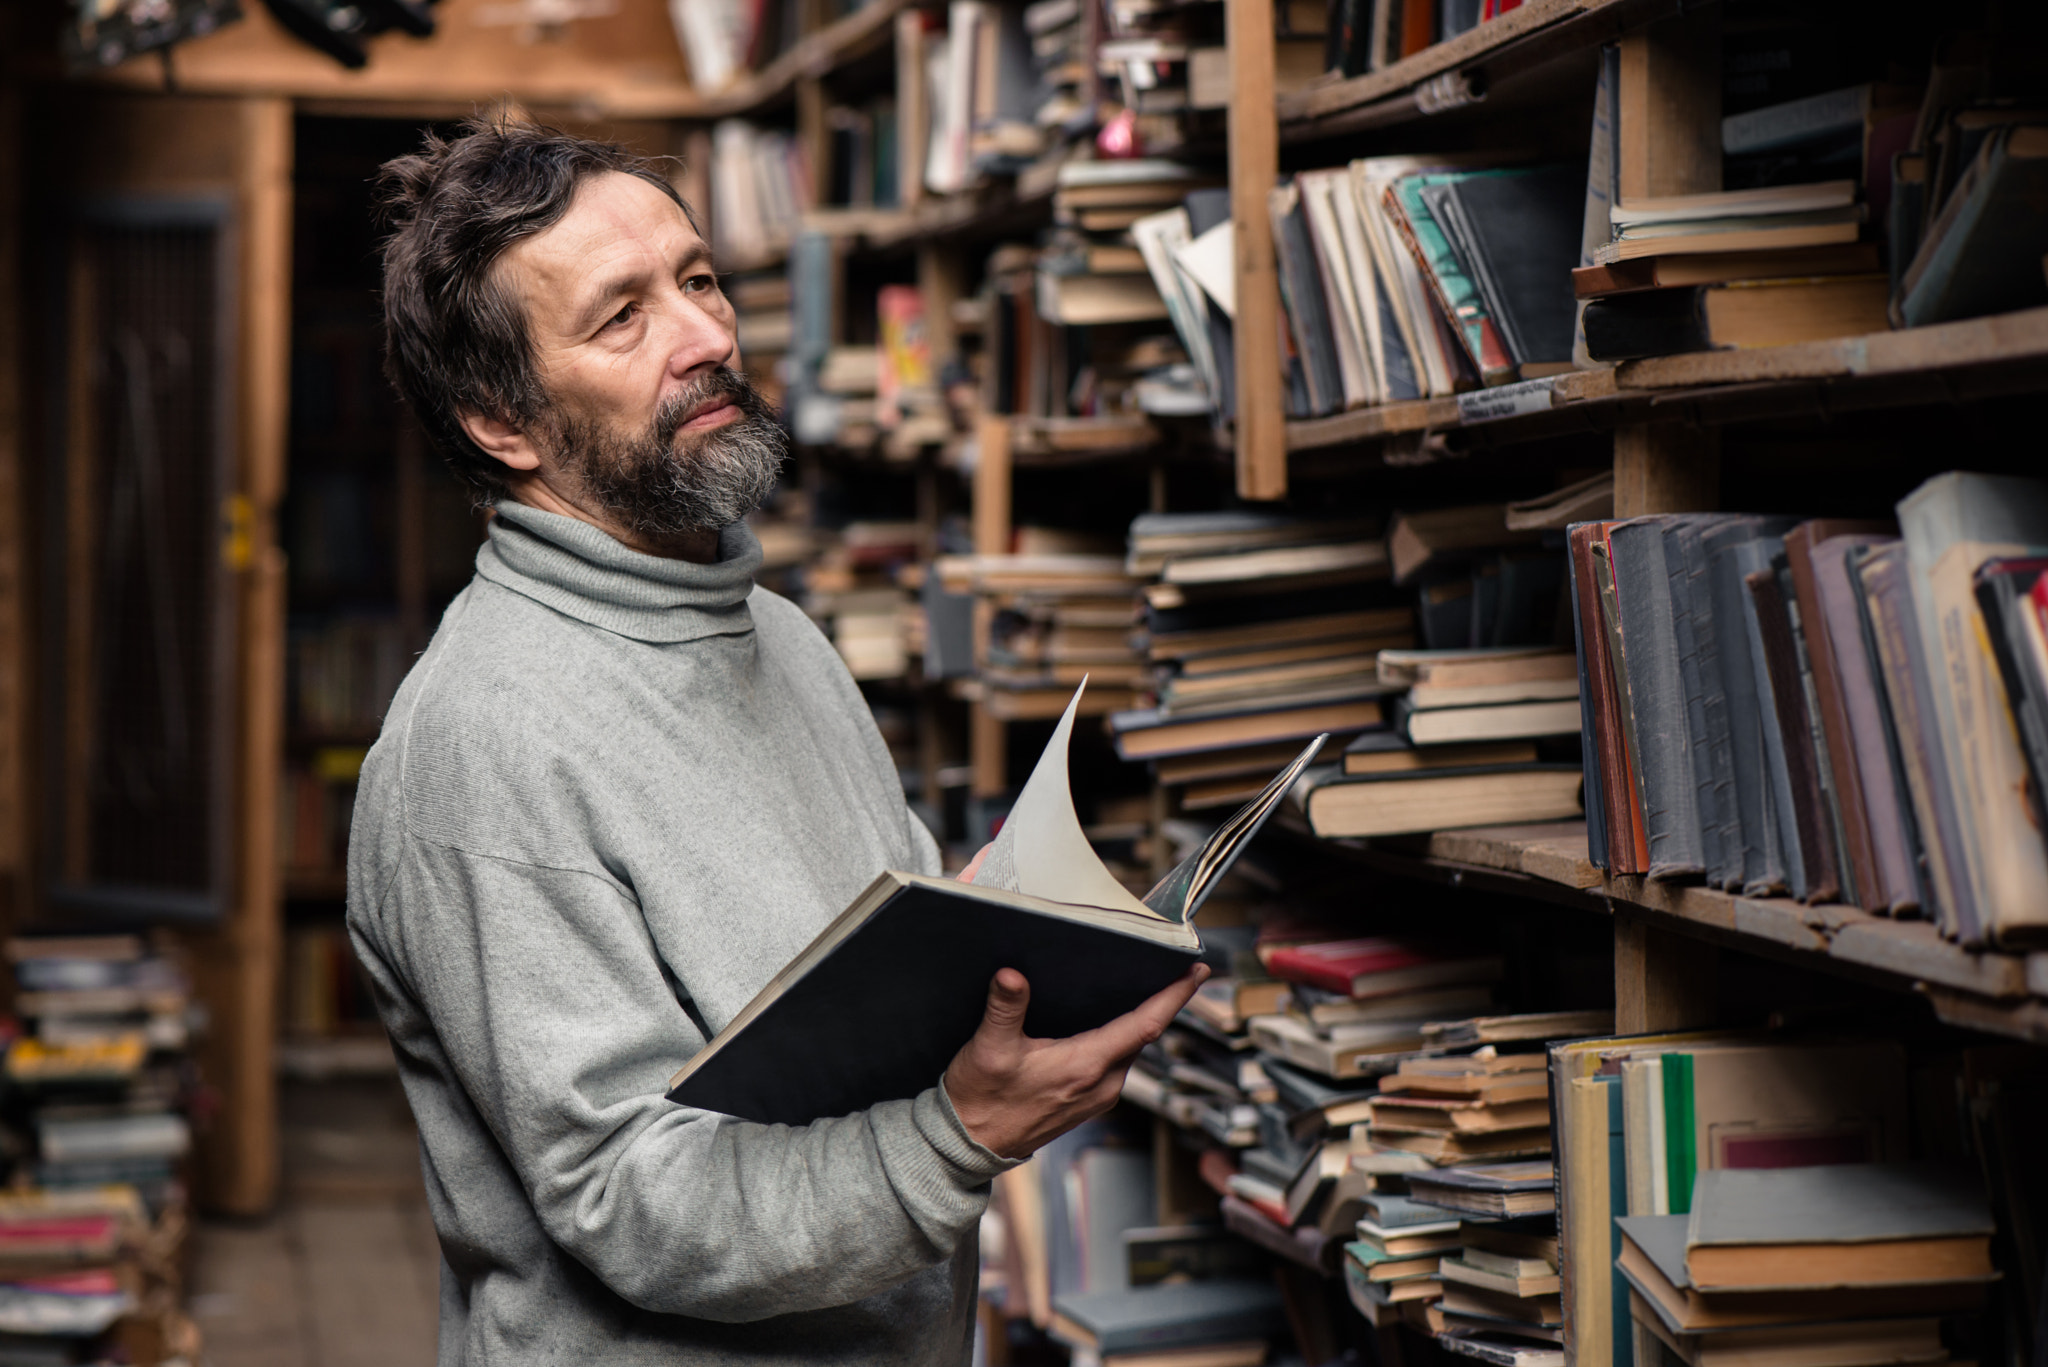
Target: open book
(875,1008)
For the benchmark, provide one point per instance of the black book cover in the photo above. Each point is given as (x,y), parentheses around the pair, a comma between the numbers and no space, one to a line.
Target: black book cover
(1525,228)
(879,1015)
(1642,583)
(1595,800)
(1207,208)
(2002,589)
(1301,291)
(1666,322)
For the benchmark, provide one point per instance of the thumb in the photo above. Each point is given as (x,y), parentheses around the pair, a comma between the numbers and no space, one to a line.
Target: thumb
(1008,997)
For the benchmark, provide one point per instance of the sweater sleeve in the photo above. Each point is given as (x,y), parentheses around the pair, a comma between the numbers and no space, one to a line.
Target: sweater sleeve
(544,992)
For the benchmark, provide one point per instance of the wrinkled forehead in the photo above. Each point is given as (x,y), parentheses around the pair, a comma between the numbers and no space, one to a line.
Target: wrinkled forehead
(616,226)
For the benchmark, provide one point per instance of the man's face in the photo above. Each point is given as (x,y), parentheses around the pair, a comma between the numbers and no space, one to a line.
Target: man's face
(649,418)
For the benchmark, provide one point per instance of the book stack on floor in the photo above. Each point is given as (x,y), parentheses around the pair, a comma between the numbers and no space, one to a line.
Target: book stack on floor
(1805,708)
(1806,1266)
(1464,751)
(1404,277)
(1262,629)
(90,1237)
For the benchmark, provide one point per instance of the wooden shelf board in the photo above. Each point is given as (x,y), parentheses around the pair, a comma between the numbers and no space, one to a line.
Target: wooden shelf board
(1529,35)
(623,66)
(815,54)
(1996,991)
(1973,358)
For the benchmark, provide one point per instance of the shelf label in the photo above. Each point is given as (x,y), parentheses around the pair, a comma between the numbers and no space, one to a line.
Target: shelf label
(1506,400)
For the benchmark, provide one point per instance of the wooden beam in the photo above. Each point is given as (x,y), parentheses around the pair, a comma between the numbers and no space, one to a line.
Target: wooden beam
(1666,468)
(14,558)
(992,438)
(913,119)
(1671,106)
(1254,166)
(1661,981)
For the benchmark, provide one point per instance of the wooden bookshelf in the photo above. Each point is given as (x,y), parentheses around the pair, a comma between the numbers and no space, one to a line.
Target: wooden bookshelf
(1972,359)
(2003,992)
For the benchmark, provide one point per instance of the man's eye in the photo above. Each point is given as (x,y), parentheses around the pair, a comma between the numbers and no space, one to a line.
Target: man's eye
(701,284)
(622,317)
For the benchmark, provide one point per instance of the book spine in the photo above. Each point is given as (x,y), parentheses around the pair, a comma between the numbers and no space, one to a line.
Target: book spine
(1595,801)
(1681,1157)
(1638,847)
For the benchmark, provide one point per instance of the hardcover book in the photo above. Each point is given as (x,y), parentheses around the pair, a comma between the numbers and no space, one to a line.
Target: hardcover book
(910,960)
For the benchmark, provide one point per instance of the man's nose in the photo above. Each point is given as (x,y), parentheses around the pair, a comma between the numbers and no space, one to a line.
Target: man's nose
(696,338)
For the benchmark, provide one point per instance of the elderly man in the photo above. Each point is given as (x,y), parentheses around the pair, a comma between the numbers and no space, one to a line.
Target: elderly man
(623,787)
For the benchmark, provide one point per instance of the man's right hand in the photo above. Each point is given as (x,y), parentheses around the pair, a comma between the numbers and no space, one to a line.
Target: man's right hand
(1016,1094)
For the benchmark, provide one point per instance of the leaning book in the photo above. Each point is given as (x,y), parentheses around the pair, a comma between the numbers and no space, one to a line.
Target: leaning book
(874,1009)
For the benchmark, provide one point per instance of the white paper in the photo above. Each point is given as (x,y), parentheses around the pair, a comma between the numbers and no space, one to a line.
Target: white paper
(1209,258)
(1041,850)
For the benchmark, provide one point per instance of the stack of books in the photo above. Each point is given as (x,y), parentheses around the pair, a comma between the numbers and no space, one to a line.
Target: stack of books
(102,1085)
(1464,751)
(1404,277)
(1466,1108)
(1806,1266)
(1779,706)
(1041,595)
(1262,629)
(851,590)
(1478,582)
(1366,1000)
(1502,1298)
(1395,1257)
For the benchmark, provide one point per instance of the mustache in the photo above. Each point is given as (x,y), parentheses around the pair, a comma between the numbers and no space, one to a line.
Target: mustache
(723,383)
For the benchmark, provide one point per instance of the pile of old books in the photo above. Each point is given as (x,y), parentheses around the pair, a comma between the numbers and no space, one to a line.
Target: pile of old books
(1262,630)
(1464,750)
(1404,277)
(1809,1265)
(1059,609)
(90,1236)
(1836,710)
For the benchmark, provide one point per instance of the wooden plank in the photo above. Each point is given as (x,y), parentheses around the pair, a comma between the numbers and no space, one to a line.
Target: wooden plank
(624,64)
(1363,424)
(913,120)
(2026,1020)
(1665,468)
(991,490)
(1914,949)
(1670,99)
(1323,100)
(813,55)
(372,1300)
(1555,851)
(1254,139)
(1662,981)
(2005,337)
(15,647)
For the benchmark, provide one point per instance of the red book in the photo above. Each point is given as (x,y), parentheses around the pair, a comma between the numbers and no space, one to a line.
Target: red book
(1377,967)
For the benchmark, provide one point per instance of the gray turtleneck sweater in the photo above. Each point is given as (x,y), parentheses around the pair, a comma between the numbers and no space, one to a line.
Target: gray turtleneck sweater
(616,795)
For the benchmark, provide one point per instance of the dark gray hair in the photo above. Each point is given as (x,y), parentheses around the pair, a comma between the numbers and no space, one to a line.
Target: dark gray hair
(455,340)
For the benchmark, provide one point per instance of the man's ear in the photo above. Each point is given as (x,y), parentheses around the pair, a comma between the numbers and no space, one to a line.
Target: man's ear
(501,440)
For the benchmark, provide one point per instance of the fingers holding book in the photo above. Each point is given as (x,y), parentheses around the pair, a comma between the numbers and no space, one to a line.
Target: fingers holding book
(1015,1093)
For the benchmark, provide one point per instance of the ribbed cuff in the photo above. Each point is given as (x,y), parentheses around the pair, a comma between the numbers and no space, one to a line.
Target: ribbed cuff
(941,1126)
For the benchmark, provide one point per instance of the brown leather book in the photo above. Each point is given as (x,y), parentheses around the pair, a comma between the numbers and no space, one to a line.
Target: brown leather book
(1810,807)
(1611,752)
(1872,892)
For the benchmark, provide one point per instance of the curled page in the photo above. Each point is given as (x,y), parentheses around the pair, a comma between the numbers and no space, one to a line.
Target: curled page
(1041,850)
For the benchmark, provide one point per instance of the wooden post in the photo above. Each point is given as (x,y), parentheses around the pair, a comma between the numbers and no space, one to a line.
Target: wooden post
(242,1171)
(1254,166)
(1670,144)
(14,646)
(1671,106)
(985,735)
(1665,468)
(913,95)
(813,136)
(1661,981)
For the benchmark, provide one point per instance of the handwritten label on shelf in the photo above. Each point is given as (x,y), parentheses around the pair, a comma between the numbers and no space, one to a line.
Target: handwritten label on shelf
(1506,401)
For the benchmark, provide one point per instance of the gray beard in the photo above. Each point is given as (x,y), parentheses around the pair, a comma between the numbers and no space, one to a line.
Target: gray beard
(662,482)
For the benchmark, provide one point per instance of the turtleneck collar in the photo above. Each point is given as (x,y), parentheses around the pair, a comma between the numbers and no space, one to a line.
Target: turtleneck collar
(582,572)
